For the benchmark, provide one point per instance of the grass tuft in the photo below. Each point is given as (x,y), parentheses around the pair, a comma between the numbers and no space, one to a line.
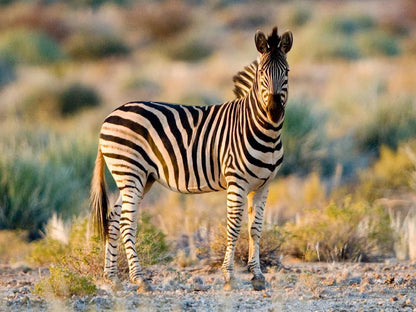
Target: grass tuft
(64,283)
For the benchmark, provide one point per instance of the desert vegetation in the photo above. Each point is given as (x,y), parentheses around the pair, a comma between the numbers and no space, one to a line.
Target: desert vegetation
(346,191)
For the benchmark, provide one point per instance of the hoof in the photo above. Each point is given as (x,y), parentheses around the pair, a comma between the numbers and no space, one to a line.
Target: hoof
(114,283)
(259,283)
(143,286)
(231,285)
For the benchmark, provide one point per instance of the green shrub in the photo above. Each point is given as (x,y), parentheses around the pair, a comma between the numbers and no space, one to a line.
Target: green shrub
(297,15)
(65,284)
(85,256)
(7,71)
(30,47)
(42,174)
(348,37)
(96,3)
(304,138)
(347,231)
(51,102)
(31,190)
(151,245)
(349,25)
(75,97)
(391,121)
(378,43)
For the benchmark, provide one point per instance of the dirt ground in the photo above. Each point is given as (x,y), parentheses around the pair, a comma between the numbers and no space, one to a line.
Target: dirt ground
(387,286)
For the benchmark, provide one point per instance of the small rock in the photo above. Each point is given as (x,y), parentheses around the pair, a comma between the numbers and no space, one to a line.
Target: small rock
(197,280)
(389,279)
(266,294)
(354,280)
(411,283)
(79,304)
(400,281)
(394,299)
(101,303)
(198,285)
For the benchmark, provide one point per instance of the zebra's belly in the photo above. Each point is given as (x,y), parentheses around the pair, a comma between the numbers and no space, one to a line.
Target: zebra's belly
(194,187)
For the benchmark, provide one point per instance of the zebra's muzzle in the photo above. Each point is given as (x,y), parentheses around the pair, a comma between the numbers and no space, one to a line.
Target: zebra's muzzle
(275,108)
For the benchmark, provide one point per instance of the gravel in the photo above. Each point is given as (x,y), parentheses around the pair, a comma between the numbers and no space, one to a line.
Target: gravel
(389,286)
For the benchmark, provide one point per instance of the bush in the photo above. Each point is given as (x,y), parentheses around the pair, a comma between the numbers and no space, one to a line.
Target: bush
(391,121)
(90,46)
(30,191)
(96,3)
(51,102)
(348,37)
(41,174)
(64,283)
(347,231)
(297,15)
(378,43)
(29,47)
(85,256)
(7,71)
(150,245)
(349,25)
(392,173)
(76,97)
(304,138)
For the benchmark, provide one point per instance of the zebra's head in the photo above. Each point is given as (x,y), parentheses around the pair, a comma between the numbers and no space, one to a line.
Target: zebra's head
(272,72)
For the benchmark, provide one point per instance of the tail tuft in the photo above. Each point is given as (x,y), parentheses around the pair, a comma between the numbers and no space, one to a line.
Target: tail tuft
(98,199)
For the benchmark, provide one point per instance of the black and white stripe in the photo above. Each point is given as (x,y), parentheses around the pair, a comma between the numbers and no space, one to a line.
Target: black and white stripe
(235,146)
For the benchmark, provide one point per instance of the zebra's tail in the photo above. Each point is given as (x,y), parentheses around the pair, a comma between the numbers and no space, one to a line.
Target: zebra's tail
(98,199)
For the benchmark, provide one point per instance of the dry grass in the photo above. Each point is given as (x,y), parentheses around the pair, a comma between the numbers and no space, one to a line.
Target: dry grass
(270,246)
(14,246)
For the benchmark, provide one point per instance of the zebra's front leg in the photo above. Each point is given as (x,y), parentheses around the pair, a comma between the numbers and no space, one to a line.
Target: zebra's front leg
(111,246)
(131,198)
(235,208)
(256,202)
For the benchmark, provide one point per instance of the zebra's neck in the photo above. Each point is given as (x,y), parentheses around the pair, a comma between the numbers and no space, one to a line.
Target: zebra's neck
(259,115)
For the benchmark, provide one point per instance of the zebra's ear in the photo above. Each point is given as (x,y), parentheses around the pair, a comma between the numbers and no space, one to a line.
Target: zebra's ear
(286,41)
(261,42)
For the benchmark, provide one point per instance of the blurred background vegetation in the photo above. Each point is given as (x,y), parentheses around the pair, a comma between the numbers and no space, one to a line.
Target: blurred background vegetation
(346,190)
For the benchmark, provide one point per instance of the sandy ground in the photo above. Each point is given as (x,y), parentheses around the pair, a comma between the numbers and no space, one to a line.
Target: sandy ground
(388,286)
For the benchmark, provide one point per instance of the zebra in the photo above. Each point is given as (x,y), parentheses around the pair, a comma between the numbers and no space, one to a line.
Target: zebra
(235,146)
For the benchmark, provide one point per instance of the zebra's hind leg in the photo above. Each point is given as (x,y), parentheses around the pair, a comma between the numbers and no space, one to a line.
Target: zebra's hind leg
(235,208)
(256,202)
(131,197)
(111,246)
